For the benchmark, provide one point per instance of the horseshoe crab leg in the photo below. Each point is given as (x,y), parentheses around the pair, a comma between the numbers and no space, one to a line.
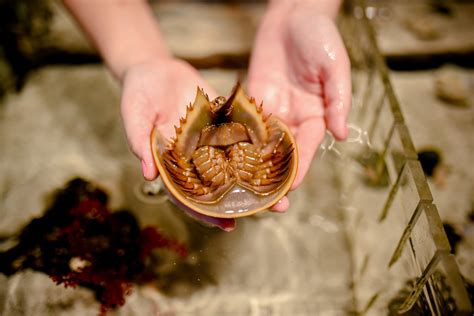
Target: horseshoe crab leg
(206,181)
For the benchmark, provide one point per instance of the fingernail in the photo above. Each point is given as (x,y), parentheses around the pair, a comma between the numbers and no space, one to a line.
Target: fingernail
(144,168)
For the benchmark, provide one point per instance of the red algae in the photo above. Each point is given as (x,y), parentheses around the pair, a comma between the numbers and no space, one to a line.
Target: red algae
(79,242)
(152,239)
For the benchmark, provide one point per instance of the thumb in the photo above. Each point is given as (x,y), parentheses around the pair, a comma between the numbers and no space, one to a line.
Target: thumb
(141,147)
(149,170)
(138,125)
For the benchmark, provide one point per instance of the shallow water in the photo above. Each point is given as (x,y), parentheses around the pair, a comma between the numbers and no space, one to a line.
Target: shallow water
(327,255)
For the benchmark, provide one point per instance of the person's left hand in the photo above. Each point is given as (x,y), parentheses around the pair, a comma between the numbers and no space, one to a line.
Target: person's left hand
(301,71)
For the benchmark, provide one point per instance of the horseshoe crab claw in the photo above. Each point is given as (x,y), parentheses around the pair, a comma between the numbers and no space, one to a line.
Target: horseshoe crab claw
(227,160)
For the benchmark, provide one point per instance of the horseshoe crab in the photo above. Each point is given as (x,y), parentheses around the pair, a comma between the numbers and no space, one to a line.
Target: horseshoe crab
(227,160)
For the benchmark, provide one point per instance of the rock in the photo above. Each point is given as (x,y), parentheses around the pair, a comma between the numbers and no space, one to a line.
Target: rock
(424,27)
(452,85)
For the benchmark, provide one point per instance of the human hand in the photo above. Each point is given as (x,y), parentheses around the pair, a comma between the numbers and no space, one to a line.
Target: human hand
(155,94)
(156,87)
(301,71)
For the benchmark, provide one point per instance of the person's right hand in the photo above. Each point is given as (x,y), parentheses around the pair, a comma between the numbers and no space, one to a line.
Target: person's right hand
(155,94)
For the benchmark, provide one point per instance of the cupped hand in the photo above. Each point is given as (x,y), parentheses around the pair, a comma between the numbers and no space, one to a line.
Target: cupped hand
(301,71)
(155,94)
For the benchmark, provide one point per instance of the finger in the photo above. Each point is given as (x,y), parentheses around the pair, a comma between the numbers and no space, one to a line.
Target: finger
(138,127)
(149,170)
(281,206)
(337,88)
(226,224)
(308,138)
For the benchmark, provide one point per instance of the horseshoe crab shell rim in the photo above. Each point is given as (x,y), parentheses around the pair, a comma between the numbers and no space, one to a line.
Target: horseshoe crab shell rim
(283,190)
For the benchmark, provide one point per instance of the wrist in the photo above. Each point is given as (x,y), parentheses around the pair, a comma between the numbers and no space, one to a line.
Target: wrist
(120,59)
(323,7)
(134,45)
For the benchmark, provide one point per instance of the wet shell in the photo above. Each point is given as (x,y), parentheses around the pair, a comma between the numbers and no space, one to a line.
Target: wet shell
(227,160)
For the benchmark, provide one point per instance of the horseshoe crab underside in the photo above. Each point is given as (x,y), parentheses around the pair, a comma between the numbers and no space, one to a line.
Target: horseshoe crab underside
(227,160)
